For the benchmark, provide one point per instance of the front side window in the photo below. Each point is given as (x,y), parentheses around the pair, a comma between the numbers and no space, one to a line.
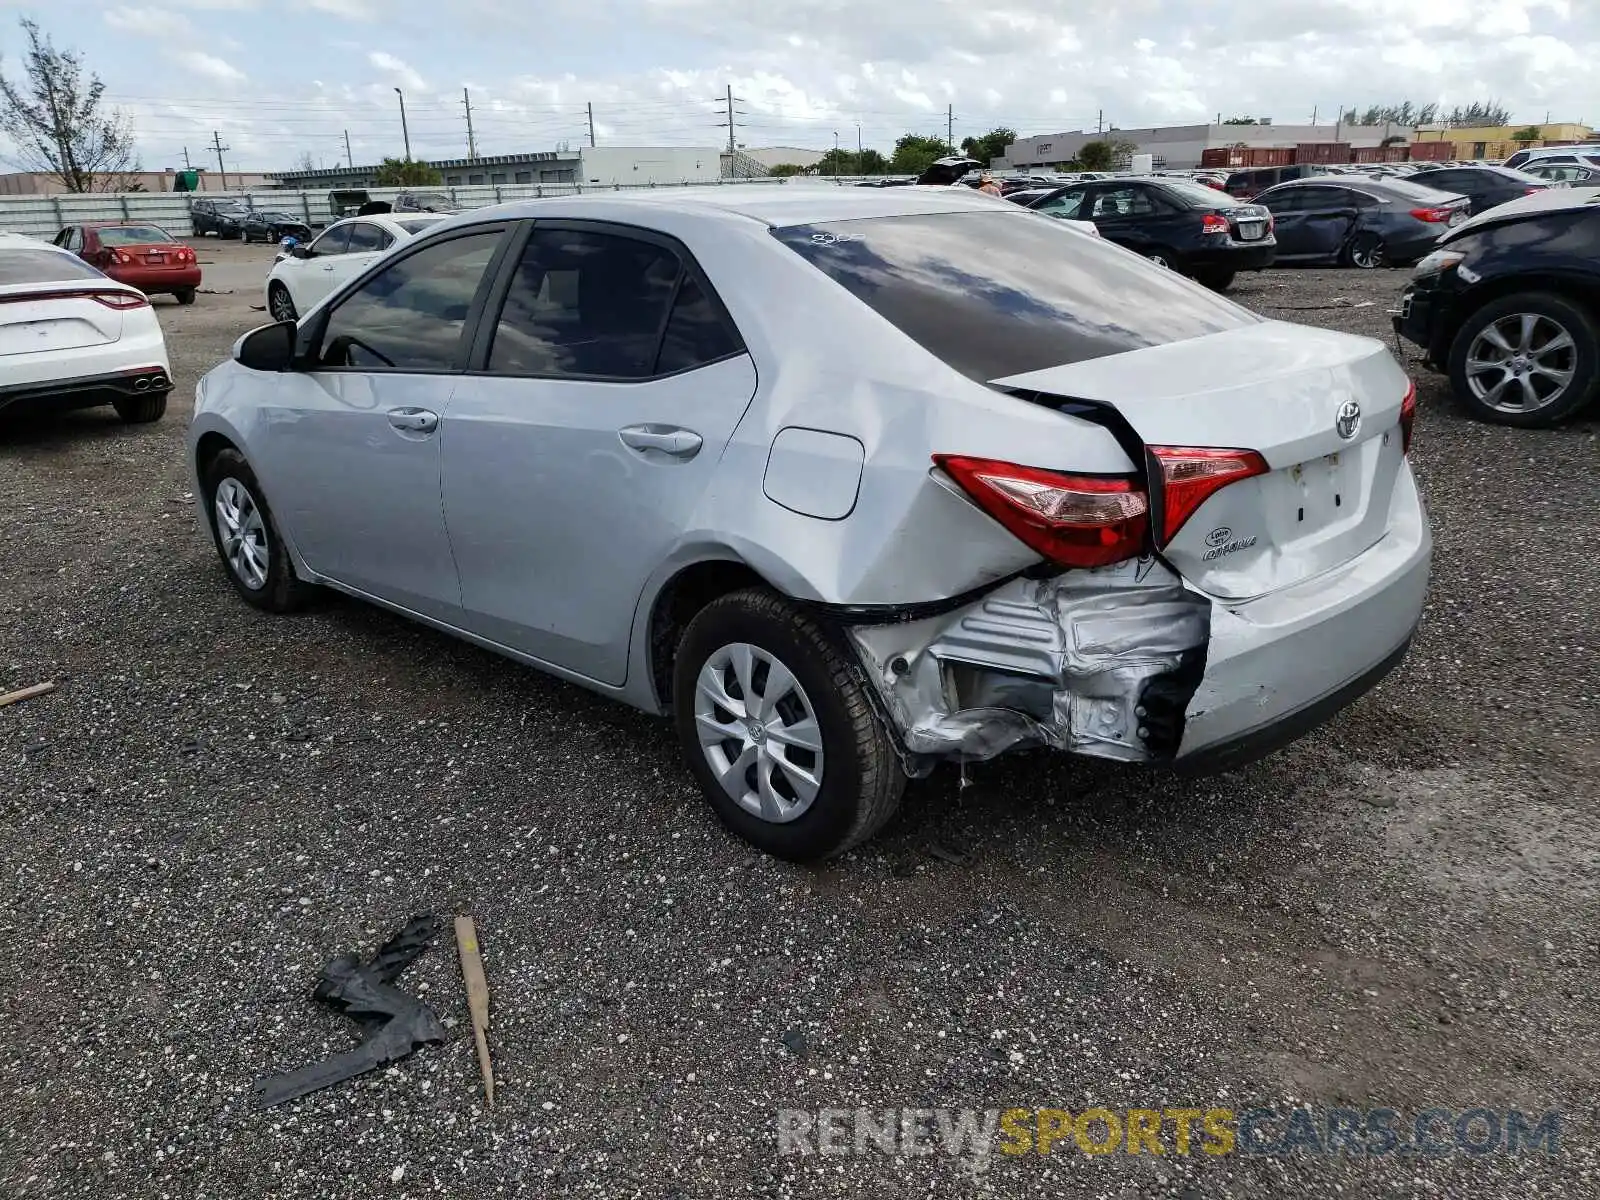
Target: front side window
(1286,200)
(1123,202)
(410,316)
(335,240)
(586,304)
(996,294)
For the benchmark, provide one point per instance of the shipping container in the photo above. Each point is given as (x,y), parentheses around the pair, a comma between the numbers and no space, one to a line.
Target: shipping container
(1322,152)
(1432,151)
(1242,158)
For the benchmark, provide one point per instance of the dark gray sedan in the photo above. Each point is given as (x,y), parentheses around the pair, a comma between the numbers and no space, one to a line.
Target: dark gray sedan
(1340,220)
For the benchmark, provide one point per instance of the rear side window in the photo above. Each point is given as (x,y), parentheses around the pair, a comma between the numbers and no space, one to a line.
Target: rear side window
(697,333)
(996,294)
(42,266)
(366,237)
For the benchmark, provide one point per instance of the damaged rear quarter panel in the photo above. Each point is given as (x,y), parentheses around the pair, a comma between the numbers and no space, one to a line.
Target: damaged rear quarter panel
(1099,662)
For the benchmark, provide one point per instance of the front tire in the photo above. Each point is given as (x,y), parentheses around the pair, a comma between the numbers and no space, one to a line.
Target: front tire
(280,304)
(1529,360)
(141,410)
(779,730)
(1216,280)
(247,537)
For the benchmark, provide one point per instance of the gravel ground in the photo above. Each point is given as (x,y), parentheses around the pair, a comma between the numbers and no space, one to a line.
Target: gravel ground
(1397,911)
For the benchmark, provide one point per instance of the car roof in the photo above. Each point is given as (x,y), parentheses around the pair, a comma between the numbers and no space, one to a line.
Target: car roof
(775,205)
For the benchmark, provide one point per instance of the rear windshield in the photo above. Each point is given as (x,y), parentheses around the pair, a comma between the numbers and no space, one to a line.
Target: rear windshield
(1197,195)
(1000,293)
(132,235)
(26,265)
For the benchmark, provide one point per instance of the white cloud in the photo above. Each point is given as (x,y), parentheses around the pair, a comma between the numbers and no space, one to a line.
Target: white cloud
(151,23)
(401,70)
(210,66)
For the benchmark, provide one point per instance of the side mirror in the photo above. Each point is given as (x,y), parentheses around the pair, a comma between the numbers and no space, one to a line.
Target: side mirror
(300,250)
(269,348)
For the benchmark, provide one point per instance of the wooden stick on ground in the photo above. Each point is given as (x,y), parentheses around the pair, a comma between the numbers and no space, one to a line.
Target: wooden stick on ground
(477,998)
(28,693)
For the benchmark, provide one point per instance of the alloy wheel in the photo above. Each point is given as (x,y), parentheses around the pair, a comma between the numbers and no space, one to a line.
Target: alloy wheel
(242,533)
(759,732)
(1160,261)
(1367,255)
(1521,363)
(282,304)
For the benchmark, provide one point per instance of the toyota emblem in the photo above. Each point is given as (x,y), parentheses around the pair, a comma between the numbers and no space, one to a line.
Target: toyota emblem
(1348,421)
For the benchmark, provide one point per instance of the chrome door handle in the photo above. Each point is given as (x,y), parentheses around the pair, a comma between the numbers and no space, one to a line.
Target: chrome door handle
(664,439)
(414,420)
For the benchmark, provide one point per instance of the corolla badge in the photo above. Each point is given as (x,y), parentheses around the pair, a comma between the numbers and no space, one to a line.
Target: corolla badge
(1348,420)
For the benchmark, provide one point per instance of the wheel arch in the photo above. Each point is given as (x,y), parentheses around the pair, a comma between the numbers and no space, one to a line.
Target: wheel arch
(675,603)
(1581,290)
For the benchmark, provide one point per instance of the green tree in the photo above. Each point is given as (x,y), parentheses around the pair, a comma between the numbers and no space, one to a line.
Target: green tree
(1241,121)
(990,146)
(58,121)
(1096,156)
(1530,134)
(914,153)
(785,170)
(406,172)
(1479,112)
(872,162)
(838,162)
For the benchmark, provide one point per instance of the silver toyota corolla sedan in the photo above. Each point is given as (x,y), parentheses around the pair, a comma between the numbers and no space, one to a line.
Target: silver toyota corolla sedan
(848,481)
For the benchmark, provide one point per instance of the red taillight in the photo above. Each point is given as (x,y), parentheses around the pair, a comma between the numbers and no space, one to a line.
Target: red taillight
(1408,415)
(1075,520)
(1434,216)
(1190,475)
(118,300)
(121,257)
(1532,191)
(1212,223)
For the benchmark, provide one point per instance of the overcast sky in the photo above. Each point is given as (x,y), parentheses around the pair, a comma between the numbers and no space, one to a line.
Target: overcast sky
(282,78)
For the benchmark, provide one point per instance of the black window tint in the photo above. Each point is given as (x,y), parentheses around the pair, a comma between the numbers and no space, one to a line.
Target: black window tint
(366,237)
(1123,202)
(997,294)
(409,317)
(18,265)
(334,241)
(585,304)
(696,332)
(1288,200)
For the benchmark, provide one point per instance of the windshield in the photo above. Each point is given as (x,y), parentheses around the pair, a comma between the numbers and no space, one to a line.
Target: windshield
(27,265)
(1004,292)
(132,235)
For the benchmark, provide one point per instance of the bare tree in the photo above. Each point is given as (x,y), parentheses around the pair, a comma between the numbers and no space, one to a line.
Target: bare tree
(59,123)
(305,162)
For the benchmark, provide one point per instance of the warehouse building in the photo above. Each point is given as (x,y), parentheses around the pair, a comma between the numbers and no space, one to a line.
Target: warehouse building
(1179,147)
(603,166)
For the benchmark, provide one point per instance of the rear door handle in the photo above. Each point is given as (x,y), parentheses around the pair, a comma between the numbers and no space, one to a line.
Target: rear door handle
(663,439)
(413,420)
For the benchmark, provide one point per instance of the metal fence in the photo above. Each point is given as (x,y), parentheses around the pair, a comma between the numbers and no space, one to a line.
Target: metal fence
(44,216)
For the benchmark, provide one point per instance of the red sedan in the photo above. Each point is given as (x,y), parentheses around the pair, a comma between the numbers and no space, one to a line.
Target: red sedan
(143,256)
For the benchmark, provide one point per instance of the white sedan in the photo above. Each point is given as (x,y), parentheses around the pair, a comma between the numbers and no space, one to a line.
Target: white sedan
(303,276)
(72,338)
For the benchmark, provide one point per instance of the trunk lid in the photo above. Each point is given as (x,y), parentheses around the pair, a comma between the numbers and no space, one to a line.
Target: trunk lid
(53,317)
(1277,389)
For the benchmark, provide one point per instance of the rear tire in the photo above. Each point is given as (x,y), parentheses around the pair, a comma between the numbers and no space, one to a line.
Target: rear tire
(1367,252)
(791,800)
(1474,357)
(1216,280)
(141,410)
(251,548)
(184,296)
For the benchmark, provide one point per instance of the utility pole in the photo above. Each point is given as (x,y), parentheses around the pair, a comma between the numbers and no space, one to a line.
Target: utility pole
(1313,114)
(350,159)
(1100,123)
(950,127)
(591,123)
(730,100)
(858,139)
(216,142)
(187,165)
(404,131)
(472,143)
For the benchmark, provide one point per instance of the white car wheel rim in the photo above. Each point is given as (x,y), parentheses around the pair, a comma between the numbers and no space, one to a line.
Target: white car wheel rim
(759,732)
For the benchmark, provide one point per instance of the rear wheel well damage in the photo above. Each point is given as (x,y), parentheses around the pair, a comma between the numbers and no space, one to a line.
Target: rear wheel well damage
(1103,663)
(677,603)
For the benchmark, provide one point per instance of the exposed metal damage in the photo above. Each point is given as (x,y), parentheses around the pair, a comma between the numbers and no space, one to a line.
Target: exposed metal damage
(1100,662)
